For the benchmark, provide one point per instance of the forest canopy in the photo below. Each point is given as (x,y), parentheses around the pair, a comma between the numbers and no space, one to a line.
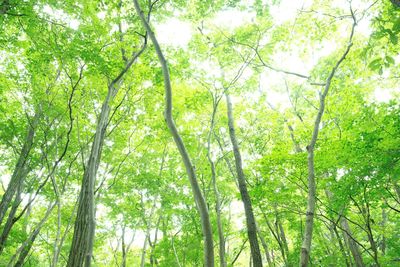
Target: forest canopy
(199,133)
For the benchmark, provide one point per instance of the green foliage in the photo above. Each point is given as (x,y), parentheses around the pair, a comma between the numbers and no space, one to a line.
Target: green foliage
(58,58)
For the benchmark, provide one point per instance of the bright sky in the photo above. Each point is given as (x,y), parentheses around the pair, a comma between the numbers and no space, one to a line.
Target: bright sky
(177,33)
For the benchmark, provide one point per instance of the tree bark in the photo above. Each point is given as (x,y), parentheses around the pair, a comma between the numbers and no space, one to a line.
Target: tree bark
(21,169)
(198,196)
(345,226)
(250,221)
(265,246)
(221,238)
(25,248)
(144,248)
(355,251)
(82,243)
(311,196)
(395,2)
(341,246)
(11,220)
(278,239)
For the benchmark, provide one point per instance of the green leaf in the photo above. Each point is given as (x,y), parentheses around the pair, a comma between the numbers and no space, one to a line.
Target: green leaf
(389,60)
(394,39)
(375,64)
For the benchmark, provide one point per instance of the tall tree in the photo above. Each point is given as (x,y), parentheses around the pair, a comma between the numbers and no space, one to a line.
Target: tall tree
(198,196)
(312,190)
(248,209)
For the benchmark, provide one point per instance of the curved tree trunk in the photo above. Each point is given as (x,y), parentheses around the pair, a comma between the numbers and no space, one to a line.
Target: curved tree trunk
(250,221)
(311,197)
(198,196)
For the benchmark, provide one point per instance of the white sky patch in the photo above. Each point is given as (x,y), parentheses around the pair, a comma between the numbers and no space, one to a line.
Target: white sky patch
(269,81)
(174,32)
(383,95)
(5,176)
(237,212)
(102,15)
(231,18)
(61,16)
(287,10)
(74,24)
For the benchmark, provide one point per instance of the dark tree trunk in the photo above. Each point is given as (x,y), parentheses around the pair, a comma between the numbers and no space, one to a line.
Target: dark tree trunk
(250,220)
(21,169)
(395,2)
(10,220)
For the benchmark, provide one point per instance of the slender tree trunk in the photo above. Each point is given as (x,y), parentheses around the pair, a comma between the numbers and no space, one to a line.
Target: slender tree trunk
(25,248)
(341,245)
(281,235)
(198,196)
(21,169)
(355,251)
(143,257)
(250,221)
(175,253)
(265,246)
(383,225)
(11,220)
(329,195)
(56,241)
(221,238)
(123,247)
(311,196)
(153,259)
(278,239)
(57,251)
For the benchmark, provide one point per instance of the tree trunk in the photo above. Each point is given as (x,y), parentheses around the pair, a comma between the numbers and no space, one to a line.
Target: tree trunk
(278,239)
(250,221)
(221,238)
(175,253)
(153,259)
(395,2)
(311,196)
(143,257)
(82,243)
(21,169)
(11,220)
(265,246)
(383,225)
(198,196)
(341,246)
(355,251)
(329,196)
(281,235)
(25,248)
